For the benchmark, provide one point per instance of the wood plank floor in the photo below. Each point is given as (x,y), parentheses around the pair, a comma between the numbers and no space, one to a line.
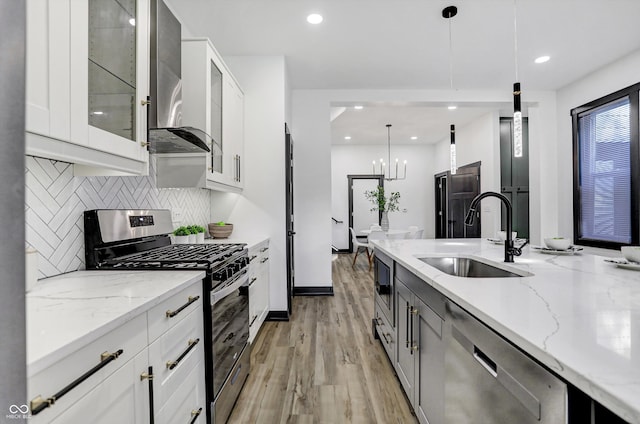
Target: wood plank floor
(324,366)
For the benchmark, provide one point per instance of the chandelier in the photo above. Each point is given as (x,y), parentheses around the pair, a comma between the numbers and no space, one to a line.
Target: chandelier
(385,168)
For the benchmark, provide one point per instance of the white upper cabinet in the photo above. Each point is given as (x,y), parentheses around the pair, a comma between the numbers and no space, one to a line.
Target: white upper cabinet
(87,83)
(213,100)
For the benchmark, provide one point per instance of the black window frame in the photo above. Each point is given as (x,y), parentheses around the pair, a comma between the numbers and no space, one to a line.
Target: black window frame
(633,93)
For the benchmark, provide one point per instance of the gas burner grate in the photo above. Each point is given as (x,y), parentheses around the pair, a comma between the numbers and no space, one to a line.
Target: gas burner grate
(178,256)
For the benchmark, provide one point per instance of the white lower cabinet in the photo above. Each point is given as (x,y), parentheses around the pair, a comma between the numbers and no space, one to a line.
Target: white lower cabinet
(90,369)
(122,398)
(159,354)
(174,356)
(188,402)
(258,287)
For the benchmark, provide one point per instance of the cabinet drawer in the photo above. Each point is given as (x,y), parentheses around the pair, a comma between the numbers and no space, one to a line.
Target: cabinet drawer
(174,354)
(385,332)
(121,398)
(130,337)
(168,313)
(187,400)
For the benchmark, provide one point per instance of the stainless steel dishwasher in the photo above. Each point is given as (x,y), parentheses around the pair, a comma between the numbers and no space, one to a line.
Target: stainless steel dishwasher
(488,380)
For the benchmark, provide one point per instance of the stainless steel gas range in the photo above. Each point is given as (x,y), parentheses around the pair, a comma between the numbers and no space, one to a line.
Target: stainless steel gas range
(119,239)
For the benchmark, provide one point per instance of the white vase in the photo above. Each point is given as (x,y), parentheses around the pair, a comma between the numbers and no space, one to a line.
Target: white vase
(192,239)
(182,239)
(384,221)
(200,238)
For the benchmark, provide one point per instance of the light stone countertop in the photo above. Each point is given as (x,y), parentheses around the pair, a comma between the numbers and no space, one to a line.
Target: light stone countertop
(66,312)
(578,315)
(250,241)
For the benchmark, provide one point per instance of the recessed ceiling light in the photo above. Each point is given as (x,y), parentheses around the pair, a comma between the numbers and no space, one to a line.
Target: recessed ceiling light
(414,137)
(348,137)
(98,112)
(314,18)
(542,59)
(452,107)
(358,107)
(132,21)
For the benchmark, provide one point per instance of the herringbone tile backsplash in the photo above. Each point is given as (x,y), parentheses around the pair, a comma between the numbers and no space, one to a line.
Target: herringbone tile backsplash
(55,200)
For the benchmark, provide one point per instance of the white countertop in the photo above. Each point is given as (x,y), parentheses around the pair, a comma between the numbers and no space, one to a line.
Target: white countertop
(577,314)
(249,240)
(71,310)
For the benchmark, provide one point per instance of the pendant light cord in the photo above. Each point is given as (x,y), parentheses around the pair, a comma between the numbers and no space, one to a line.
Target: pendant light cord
(450,55)
(515,37)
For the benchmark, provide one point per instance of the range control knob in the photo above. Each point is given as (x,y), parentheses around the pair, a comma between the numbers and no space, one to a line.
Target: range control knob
(221,275)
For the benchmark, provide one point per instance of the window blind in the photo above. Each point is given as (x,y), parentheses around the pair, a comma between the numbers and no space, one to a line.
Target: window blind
(605,172)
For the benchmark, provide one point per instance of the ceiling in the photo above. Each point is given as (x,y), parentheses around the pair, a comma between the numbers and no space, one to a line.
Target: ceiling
(404,44)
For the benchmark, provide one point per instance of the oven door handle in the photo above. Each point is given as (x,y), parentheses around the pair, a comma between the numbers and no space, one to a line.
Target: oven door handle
(216,296)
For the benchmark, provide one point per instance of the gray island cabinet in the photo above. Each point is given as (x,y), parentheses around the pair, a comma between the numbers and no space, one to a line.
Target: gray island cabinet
(463,350)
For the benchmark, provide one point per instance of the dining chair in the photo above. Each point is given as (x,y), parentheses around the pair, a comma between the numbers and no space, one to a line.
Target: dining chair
(357,245)
(414,232)
(375,227)
(375,235)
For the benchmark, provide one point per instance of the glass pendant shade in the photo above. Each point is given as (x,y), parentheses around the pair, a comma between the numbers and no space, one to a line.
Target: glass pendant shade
(454,166)
(517,122)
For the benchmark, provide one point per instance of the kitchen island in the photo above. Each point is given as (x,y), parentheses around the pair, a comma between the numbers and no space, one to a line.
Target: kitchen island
(577,314)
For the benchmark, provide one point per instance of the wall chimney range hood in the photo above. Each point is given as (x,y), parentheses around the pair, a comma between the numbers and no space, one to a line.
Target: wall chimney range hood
(166,133)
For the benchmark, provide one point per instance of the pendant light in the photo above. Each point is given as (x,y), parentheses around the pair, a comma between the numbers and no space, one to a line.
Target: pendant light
(448,13)
(517,110)
(383,166)
(454,166)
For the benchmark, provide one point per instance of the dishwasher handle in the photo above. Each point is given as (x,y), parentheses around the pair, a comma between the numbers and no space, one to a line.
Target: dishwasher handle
(485,361)
(506,380)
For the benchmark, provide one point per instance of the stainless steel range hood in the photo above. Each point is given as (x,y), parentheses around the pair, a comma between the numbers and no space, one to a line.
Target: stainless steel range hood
(166,133)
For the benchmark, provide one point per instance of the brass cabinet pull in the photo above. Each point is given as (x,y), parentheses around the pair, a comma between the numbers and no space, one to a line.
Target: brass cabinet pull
(190,300)
(146,376)
(263,260)
(253,280)
(144,143)
(253,320)
(172,364)
(378,320)
(145,102)
(414,348)
(252,258)
(385,337)
(39,404)
(264,249)
(195,414)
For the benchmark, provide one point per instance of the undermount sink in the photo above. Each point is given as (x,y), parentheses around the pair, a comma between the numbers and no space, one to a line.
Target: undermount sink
(470,268)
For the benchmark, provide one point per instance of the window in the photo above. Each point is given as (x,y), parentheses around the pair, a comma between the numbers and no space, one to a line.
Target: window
(606,169)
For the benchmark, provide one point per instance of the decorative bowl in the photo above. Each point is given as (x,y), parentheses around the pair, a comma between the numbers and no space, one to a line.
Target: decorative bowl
(557,243)
(220,231)
(631,253)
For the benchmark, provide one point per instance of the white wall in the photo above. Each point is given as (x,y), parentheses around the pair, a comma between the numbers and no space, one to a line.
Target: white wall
(478,141)
(610,78)
(311,130)
(260,209)
(416,191)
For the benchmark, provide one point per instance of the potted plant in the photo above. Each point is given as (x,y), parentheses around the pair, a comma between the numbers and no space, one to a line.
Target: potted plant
(199,233)
(383,204)
(220,229)
(181,235)
(192,233)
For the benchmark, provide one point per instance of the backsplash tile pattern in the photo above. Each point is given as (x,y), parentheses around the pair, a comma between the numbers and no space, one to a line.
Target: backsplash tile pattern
(55,200)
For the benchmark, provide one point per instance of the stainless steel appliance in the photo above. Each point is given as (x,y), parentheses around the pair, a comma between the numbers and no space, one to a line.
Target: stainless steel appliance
(166,133)
(138,240)
(383,280)
(487,380)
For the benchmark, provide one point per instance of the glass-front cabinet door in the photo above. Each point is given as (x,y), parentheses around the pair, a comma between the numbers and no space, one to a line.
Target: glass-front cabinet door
(216,118)
(112,66)
(110,73)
